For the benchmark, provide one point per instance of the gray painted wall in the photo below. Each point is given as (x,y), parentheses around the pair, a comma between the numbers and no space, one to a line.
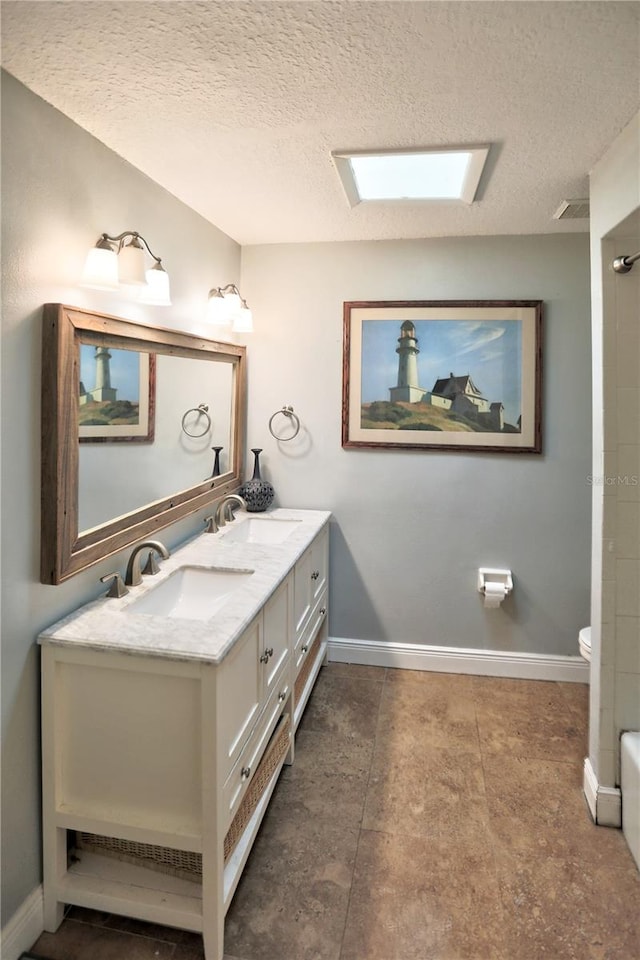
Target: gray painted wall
(411,528)
(60,189)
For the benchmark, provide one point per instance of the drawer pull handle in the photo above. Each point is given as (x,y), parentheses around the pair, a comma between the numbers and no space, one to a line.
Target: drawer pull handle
(323,611)
(315,574)
(305,648)
(245,773)
(264,658)
(282,696)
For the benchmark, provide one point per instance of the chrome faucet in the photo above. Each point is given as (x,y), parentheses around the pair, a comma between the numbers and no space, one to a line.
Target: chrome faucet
(224,510)
(133,575)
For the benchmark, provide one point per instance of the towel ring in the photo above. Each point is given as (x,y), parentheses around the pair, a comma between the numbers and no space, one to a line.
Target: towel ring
(201,410)
(287,412)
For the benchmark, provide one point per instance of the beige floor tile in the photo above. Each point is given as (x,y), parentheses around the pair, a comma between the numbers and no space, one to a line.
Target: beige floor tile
(568,910)
(537,809)
(527,719)
(329,773)
(360,670)
(425,791)
(81,941)
(450,685)
(577,696)
(429,709)
(155,931)
(344,706)
(291,902)
(412,900)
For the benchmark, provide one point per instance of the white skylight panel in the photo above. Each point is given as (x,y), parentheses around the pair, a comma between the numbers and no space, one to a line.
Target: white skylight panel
(410,175)
(443,174)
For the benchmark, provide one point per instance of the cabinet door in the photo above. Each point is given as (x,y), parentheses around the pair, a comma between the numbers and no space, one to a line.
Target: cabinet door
(319,564)
(277,633)
(240,689)
(302,590)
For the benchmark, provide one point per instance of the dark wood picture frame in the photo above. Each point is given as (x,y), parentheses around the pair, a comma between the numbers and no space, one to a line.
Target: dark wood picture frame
(448,411)
(64,550)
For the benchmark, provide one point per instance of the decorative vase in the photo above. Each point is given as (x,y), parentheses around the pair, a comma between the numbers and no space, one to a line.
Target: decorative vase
(216,461)
(257,493)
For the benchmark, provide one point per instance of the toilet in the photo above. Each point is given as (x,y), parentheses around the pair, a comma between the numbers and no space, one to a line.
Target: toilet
(584,642)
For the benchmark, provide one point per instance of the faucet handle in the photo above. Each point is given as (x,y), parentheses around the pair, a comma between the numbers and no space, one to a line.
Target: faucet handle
(151,566)
(117,588)
(212,526)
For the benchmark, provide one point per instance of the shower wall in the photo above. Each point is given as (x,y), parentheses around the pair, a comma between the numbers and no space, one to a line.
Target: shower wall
(620,659)
(615,581)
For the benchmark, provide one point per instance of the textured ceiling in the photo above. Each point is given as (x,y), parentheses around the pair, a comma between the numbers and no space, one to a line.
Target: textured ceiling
(235,107)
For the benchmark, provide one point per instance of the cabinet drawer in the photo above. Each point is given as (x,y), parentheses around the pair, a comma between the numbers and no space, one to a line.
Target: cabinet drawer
(304,641)
(240,777)
(277,631)
(240,695)
(310,583)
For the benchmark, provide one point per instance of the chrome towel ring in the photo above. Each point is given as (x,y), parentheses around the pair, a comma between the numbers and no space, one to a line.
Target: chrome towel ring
(286,411)
(202,411)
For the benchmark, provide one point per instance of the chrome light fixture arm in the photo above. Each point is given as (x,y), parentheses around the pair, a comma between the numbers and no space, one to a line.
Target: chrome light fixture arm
(120,241)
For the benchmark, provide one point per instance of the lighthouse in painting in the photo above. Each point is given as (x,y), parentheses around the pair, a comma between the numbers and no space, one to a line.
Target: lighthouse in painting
(408,389)
(103,391)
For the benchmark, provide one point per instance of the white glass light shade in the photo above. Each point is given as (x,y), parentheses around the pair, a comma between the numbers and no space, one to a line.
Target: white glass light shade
(101,269)
(218,312)
(243,320)
(131,270)
(233,302)
(156,291)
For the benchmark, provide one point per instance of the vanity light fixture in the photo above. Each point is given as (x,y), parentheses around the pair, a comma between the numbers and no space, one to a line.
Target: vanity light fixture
(227,306)
(117,262)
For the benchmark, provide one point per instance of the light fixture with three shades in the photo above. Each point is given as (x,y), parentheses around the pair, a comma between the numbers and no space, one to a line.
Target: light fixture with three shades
(226,306)
(117,262)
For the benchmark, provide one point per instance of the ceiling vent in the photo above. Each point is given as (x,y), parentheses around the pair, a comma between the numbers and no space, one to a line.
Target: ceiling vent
(572,210)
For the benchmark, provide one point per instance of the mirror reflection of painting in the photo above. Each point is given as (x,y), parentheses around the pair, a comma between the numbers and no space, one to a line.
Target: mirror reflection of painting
(447,375)
(114,394)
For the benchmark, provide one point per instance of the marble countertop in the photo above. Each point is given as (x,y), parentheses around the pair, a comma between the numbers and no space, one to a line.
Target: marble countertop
(105,623)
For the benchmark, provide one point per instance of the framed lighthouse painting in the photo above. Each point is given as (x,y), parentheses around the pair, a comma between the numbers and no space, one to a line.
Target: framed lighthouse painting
(443,375)
(116,399)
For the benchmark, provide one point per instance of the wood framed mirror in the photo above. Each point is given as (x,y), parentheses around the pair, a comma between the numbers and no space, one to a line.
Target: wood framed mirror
(132,417)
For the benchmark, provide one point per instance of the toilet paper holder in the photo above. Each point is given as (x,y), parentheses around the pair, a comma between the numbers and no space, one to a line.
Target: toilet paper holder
(490,575)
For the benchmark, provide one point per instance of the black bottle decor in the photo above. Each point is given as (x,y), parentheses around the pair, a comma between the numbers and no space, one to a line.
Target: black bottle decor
(216,462)
(257,493)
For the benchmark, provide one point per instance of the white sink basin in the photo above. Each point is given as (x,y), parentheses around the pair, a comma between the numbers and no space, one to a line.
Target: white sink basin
(191,593)
(260,530)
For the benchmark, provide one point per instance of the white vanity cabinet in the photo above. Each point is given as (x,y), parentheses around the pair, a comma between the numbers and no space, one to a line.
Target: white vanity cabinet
(310,615)
(145,755)
(158,766)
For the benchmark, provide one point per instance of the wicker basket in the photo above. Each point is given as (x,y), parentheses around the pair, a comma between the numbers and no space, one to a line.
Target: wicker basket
(179,863)
(305,669)
(184,863)
(271,758)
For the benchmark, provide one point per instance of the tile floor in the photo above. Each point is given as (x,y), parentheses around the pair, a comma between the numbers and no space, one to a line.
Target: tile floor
(427,817)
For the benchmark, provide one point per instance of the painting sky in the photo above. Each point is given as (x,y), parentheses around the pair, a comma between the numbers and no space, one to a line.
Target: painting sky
(124,368)
(489,351)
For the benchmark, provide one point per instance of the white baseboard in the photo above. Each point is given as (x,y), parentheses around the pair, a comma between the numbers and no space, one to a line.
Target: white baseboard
(486,663)
(605,803)
(24,927)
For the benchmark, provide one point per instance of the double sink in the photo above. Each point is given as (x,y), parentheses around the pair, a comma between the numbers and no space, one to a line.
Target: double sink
(198,592)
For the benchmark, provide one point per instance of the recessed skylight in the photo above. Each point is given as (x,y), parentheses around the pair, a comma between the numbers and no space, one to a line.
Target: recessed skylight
(443,174)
